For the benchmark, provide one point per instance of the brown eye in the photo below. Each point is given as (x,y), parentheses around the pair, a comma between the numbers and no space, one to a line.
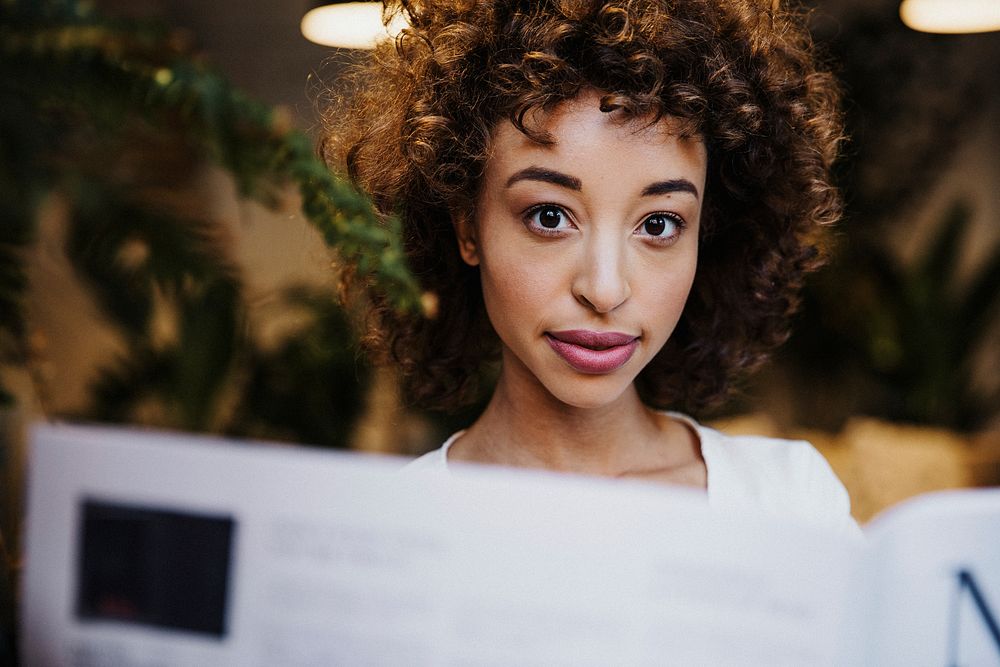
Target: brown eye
(549,217)
(550,220)
(664,228)
(655,225)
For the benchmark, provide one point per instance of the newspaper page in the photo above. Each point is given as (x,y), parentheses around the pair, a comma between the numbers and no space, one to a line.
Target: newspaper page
(933,582)
(156,549)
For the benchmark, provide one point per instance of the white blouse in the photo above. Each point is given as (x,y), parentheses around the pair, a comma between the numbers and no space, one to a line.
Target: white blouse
(784,477)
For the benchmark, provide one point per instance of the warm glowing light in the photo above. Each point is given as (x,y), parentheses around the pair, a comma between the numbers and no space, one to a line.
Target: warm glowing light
(951,16)
(350,25)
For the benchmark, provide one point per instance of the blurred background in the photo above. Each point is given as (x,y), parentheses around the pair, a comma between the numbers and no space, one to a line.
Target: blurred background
(169,246)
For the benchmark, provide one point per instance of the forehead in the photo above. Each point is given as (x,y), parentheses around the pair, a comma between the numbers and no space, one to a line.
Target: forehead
(580,132)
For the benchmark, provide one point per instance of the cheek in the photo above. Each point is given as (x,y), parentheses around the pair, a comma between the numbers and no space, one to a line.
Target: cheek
(516,289)
(664,297)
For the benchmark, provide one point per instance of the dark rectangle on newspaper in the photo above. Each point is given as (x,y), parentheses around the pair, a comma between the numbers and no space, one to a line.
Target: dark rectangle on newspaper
(152,566)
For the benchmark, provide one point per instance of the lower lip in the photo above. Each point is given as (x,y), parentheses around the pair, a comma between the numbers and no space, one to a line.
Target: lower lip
(587,360)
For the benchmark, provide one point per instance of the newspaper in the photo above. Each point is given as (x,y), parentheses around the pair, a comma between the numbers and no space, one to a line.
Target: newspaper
(160,549)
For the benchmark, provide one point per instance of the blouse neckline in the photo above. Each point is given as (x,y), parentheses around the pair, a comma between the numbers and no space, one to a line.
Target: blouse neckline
(705,443)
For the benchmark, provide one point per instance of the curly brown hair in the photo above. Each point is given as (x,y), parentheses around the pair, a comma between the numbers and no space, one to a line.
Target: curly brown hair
(740,74)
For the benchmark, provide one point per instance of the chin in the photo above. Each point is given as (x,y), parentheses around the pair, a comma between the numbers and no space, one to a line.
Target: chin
(590,392)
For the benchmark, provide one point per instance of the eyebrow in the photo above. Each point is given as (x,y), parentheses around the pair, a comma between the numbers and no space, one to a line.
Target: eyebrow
(547,176)
(667,187)
(574,183)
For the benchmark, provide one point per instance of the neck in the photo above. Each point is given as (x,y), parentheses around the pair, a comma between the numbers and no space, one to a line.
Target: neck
(526,426)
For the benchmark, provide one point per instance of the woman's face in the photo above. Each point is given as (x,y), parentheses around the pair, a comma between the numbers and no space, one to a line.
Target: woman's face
(587,247)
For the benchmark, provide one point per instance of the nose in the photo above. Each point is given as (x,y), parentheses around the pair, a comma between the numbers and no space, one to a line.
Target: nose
(601,282)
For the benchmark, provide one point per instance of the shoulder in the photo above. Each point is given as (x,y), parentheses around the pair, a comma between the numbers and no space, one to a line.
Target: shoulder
(788,477)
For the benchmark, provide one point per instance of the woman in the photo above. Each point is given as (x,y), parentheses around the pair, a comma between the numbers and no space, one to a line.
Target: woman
(620,200)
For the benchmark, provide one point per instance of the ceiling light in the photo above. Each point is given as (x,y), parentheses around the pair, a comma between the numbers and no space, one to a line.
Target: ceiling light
(349,25)
(951,16)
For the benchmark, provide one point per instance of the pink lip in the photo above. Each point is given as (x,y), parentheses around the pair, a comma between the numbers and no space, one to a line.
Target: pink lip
(593,351)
